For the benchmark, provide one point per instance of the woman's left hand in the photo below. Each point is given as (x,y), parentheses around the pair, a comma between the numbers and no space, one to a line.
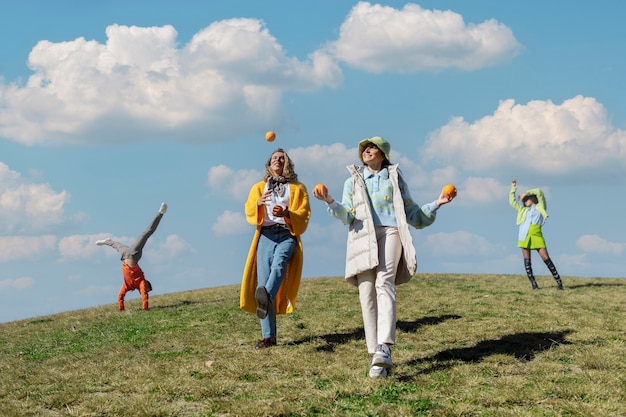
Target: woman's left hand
(324,196)
(279,211)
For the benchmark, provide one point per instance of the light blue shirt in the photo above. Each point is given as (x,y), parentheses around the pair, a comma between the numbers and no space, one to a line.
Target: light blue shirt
(380,193)
(533,216)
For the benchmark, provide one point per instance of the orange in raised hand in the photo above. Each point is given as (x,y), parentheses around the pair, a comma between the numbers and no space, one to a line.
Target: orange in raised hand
(320,190)
(449,191)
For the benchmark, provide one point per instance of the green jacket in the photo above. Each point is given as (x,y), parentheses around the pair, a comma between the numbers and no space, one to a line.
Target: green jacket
(541,205)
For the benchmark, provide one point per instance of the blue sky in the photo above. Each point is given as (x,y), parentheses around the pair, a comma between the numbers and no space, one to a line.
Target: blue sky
(107,109)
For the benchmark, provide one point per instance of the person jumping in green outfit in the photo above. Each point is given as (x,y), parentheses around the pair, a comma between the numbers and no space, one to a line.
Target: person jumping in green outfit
(531,215)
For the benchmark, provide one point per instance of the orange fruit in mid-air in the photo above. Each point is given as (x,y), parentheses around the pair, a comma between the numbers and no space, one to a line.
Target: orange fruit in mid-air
(270,136)
(449,190)
(321,190)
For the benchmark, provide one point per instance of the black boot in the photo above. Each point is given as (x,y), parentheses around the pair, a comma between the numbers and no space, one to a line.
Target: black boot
(529,272)
(559,284)
(555,274)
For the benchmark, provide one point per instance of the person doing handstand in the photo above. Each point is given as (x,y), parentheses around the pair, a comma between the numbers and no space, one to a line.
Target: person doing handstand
(134,278)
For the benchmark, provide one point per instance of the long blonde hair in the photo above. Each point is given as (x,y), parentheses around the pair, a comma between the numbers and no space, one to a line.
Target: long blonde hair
(288,168)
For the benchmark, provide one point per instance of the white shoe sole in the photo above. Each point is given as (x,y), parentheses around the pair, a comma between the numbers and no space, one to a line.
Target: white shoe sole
(263,302)
(382,361)
(378,372)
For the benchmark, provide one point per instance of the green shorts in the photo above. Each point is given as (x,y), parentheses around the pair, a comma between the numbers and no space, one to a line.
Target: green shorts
(534,238)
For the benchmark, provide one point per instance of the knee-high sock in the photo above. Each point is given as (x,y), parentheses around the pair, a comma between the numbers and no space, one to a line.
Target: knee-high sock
(553,271)
(552,268)
(529,269)
(529,272)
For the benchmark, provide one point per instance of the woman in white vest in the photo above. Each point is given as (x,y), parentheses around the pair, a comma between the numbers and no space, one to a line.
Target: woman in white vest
(377,206)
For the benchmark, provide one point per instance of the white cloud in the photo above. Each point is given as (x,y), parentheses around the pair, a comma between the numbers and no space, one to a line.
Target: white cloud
(419,179)
(323,164)
(478,190)
(380,38)
(144,82)
(27,207)
(596,244)
(18,284)
(171,248)
(15,248)
(83,246)
(575,137)
(231,223)
(236,184)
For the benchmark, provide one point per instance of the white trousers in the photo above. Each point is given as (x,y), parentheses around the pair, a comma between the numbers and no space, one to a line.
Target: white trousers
(377,290)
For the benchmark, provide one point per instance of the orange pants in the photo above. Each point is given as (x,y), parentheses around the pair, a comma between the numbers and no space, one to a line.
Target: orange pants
(133,280)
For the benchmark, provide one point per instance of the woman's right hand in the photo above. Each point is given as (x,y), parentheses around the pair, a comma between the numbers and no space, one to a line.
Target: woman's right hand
(265,197)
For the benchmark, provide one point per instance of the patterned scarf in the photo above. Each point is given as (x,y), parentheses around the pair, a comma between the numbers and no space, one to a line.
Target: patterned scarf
(277,184)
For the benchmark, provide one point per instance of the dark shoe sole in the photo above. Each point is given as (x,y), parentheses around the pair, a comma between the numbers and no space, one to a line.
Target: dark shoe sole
(265,343)
(263,302)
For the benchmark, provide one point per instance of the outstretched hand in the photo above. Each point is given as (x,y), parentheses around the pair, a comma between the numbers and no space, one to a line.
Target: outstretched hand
(324,196)
(443,199)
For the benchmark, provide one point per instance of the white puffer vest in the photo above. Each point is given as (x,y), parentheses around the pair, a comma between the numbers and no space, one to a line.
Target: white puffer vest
(362,248)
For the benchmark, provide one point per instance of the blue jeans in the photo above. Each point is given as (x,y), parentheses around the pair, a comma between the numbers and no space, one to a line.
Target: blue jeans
(275,247)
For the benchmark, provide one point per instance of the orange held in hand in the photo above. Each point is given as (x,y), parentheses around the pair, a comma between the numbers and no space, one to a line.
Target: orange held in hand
(270,136)
(449,191)
(320,190)
(277,211)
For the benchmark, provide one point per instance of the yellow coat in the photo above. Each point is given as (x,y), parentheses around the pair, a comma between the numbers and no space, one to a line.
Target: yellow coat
(298,220)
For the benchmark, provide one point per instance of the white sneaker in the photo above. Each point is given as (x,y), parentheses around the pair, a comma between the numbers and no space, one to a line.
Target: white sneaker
(103,241)
(382,356)
(163,208)
(378,372)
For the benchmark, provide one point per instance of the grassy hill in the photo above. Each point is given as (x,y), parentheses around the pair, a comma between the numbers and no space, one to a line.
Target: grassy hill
(467,345)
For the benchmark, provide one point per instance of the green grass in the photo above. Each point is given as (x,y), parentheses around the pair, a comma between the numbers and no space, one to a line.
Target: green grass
(467,345)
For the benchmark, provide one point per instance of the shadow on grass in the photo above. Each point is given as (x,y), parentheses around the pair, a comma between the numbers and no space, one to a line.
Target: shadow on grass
(597,284)
(523,346)
(413,326)
(333,339)
(182,303)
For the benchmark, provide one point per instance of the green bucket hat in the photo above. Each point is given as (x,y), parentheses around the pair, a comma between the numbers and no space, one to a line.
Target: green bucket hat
(381,143)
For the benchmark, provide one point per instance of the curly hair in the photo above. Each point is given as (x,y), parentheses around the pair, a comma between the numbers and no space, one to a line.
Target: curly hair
(288,167)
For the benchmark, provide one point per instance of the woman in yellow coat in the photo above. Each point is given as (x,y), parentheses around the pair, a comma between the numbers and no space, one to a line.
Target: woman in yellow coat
(279,208)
